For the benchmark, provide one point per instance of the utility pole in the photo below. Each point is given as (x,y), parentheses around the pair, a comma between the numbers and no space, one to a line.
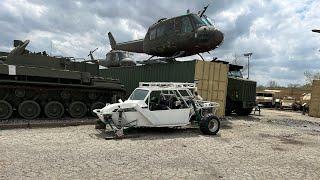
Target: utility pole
(249,54)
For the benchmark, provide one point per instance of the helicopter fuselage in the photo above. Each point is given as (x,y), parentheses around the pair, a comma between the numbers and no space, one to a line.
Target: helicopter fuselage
(188,35)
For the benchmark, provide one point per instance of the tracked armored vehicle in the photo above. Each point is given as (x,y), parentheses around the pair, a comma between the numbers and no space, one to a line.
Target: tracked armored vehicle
(36,85)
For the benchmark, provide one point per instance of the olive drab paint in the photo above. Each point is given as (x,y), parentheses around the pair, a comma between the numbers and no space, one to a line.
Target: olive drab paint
(179,36)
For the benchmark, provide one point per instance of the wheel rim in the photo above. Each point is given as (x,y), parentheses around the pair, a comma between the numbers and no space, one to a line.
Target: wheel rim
(54,109)
(213,125)
(29,109)
(97,105)
(77,109)
(5,110)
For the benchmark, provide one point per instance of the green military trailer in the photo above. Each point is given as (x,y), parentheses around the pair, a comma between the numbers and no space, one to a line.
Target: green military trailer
(38,85)
(239,96)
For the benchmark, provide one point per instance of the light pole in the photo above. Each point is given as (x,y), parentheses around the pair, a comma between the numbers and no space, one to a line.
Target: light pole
(249,54)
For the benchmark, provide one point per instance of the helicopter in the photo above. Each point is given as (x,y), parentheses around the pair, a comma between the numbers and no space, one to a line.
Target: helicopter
(179,36)
(114,58)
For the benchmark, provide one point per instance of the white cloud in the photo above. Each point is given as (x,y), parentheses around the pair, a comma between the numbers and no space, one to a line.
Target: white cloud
(277,32)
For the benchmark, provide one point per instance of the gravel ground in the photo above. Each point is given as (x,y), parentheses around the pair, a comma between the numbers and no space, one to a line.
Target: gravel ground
(275,145)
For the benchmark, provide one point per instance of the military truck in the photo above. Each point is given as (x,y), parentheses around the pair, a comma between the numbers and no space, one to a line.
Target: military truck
(36,84)
(241,93)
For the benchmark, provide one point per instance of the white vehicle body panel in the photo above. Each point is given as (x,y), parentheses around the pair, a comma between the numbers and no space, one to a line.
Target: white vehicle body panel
(137,112)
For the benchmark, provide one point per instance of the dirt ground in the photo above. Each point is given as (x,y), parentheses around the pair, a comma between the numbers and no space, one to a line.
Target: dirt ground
(275,145)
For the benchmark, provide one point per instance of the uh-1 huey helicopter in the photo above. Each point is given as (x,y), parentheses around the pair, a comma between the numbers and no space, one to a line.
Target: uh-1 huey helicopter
(179,36)
(114,58)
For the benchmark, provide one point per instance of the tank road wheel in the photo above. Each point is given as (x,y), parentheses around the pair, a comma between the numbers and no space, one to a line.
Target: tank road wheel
(5,110)
(210,124)
(96,105)
(54,109)
(29,109)
(77,109)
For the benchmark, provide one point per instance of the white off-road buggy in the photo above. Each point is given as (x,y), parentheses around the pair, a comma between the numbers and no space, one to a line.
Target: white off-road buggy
(160,105)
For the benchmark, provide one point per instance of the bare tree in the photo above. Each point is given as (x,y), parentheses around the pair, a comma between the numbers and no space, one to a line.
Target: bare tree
(309,77)
(238,60)
(272,84)
(294,85)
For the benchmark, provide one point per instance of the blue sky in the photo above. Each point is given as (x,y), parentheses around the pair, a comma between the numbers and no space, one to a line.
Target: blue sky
(278,33)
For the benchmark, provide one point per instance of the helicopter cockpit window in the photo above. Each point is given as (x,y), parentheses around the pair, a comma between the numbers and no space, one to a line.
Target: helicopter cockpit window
(186,25)
(153,33)
(123,55)
(110,56)
(161,31)
(198,21)
(117,57)
(207,20)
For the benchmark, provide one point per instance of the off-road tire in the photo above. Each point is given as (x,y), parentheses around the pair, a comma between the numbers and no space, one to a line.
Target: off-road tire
(207,122)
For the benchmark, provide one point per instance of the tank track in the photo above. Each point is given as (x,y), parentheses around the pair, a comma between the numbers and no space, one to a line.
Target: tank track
(25,103)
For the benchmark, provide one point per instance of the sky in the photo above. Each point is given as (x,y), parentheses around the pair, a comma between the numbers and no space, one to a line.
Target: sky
(278,33)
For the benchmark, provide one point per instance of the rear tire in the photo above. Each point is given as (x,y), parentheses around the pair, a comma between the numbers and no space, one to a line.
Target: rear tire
(210,125)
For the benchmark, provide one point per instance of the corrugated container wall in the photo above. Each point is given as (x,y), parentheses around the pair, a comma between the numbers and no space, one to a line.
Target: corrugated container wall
(213,81)
(211,76)
(315,99)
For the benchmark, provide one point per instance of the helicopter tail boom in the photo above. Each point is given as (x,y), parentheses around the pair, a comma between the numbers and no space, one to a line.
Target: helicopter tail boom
(130,46)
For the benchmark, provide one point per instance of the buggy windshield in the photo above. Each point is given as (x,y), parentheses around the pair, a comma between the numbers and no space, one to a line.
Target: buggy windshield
(138,94)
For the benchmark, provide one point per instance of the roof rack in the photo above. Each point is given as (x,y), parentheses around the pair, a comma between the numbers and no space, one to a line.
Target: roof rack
(169,84)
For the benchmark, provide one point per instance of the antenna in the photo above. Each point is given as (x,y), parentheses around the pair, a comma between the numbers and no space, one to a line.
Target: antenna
(50,47)
(204,10)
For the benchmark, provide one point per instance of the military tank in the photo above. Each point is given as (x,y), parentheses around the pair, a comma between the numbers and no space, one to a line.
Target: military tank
(36,85)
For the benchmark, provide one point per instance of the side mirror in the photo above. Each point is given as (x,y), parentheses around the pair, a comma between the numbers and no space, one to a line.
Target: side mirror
(120,101)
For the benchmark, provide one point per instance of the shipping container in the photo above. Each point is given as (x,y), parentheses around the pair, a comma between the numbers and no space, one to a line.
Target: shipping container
(211,77)
(314,109)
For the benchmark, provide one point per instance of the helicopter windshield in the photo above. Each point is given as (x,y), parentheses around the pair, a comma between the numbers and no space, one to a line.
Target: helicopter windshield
(123,55)
(206,20)
(197,21)
(203,21)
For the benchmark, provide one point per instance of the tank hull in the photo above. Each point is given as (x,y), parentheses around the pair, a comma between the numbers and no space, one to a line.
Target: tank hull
(33,92)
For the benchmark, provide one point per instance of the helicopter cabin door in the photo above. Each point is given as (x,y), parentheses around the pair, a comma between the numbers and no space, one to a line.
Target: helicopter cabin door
(165,36)
(184,31)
